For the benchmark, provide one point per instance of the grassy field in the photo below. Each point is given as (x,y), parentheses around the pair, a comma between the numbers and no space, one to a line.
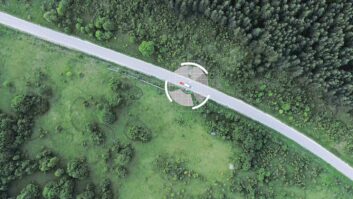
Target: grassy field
(176,130)
(32,11)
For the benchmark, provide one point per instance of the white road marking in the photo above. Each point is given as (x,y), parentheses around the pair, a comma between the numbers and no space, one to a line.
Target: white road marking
(203,103)
(235,104)
(166,91)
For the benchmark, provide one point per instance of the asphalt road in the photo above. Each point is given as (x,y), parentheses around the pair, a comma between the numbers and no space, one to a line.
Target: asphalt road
(163,74)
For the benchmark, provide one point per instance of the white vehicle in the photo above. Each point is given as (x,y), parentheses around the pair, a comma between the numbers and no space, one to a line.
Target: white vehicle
(185,84)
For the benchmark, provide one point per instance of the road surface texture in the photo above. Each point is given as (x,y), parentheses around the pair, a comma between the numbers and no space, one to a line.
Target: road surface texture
(165,75)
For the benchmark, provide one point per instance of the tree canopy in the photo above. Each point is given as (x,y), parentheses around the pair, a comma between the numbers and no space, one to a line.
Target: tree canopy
(146,48)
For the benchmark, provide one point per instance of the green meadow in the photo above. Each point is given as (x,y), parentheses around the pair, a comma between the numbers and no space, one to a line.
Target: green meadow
(75,78)
(176,131)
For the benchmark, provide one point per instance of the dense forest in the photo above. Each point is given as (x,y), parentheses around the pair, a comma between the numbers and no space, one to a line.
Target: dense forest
(293,56)
(309,42)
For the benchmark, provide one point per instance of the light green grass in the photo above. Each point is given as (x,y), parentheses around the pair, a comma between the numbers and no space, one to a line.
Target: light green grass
(21,55)
(120,43)
(191,141)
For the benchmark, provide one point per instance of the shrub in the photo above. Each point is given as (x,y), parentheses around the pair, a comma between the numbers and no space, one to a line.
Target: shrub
(30,104)
(77,169)
(31,191)
(47,160)
(139,132)
(51,16)
(146,48)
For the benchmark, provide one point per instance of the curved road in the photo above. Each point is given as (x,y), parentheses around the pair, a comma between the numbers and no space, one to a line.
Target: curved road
(165,75)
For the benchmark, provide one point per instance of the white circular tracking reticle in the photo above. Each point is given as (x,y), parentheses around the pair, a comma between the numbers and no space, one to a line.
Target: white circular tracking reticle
(181,93)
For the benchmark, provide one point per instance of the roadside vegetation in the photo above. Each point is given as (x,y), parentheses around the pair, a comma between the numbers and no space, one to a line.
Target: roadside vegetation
(71,128)
(55,142)
(80,142)
(291,59)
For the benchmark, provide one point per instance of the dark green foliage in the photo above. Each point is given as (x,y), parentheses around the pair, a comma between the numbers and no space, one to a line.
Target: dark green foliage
(266,41)
(7,133)
(77,169)
(108,25)
(31,191)
(121,171)
(98,23)
(61,13)
(119,85)
(59,172)
(13,133)
(139,132)
(63,7)
(108,115)
(246,183)
(104,23)
(88,193)
(23,130)
(125,91)
(106,191)
(122,89)
(121,155)
(293,44)
(59,189)
(263,157)
(30,104)
(310,41)
(218,191)
(173,168)
(51,16)
(172,191)
(96,133)
(15,130)
(47,160)
(146,48)
(99,35)
(282,40)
